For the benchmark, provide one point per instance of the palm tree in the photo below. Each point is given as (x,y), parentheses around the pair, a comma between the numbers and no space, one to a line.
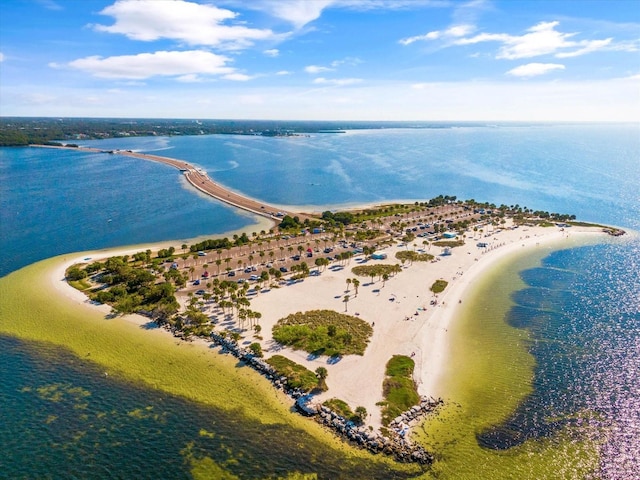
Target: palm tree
(348,283)
(322,373)
(356,283)
(346,301)
(385,277)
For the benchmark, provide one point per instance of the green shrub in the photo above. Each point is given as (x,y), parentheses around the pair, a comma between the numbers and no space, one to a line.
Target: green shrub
(323,332)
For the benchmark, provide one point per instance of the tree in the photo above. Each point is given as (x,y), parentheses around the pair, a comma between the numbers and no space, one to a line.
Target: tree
(361,414)
(322,373)
(346,301)
(256,348)
(356,284)
(348,283)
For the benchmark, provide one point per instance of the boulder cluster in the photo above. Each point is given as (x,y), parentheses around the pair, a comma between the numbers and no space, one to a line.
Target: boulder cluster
(249,357)
(396,445)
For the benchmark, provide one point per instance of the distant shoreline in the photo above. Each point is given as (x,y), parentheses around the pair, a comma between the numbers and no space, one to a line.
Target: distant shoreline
(199,179)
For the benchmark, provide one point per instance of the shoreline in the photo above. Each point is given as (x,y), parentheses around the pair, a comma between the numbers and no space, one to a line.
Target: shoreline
(404,320)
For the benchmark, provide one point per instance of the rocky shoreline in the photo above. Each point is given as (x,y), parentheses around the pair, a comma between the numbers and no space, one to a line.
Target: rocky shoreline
(397,445)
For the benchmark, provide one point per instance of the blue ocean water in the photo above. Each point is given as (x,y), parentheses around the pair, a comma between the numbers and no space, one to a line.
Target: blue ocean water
(581,305)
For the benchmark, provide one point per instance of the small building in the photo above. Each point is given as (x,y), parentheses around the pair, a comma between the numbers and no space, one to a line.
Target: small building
(378,256)
(449,235)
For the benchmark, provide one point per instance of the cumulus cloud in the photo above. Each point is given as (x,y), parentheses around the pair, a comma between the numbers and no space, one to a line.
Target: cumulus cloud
(186,65)
(273,52)
(180,20)
(1,57)
(534,69)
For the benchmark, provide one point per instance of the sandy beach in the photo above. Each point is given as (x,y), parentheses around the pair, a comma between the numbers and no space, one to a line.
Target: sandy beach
(407,318)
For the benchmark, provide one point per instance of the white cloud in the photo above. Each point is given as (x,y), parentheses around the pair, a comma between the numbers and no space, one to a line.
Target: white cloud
(146,65)
(316,69)
(189,78)
(283,72)
(296,12)
(302,12)
(453,32)
(541,39)
(273,52)
(588,47)
(188,22)
(337,81)
(237,77)
(534,69)
(1,57)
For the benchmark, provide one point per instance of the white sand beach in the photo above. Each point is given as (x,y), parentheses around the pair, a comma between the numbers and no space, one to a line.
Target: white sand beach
(404,319)
(407,318)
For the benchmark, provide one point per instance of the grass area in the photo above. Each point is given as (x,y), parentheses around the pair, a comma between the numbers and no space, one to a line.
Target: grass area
(399,389)
(82,285)
(297,375)
(449,243)
(439,286)
(411,256)
(375,270)
(323,332)
(339,406)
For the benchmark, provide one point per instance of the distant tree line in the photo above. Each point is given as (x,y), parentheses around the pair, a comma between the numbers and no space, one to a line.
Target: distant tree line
(20,131)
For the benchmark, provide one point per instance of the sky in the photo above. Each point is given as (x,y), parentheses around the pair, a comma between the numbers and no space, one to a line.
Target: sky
(422,60)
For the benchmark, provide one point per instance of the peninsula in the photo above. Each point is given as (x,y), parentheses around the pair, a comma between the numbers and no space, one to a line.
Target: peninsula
(402,270)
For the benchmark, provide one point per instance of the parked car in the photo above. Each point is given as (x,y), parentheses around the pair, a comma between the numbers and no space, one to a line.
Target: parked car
(284,269)
(231,274)
(196,282)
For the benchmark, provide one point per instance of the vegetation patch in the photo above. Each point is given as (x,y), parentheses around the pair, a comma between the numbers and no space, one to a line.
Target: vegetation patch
(439,286)
(449,243)
(376,270)
(128,284)
(411,256)
(297,375)
(398,388)
(323,332)
(341,408)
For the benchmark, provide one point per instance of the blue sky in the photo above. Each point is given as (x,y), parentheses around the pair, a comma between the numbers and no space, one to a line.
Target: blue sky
(322,59)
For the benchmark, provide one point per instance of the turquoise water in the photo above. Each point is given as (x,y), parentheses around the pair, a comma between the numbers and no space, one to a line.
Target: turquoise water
(581,305)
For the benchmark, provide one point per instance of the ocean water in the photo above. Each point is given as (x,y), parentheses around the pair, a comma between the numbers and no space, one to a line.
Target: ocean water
(581,305)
